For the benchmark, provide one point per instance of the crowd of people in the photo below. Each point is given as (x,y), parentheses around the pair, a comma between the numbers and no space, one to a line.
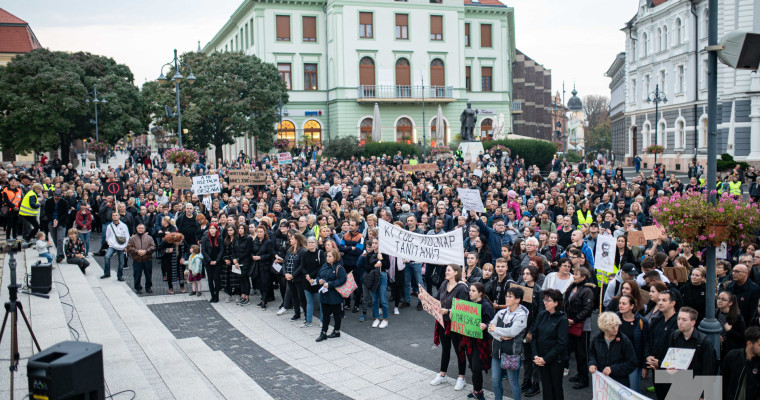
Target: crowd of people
(312,230)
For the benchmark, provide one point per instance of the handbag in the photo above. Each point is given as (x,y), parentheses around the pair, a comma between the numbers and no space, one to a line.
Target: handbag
(347,288)
(255,270)
(119,239)
(510,362)
(576,329)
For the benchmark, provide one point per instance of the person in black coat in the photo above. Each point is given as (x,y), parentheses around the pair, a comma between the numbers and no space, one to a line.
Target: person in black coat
(579,300)
(636,329)
(693,292)
(280,240)
(549,340)
(212,249)
(263,258)
(311,261)
(610,352)
(732,324)
(243,249)
(57,212)
(740,368)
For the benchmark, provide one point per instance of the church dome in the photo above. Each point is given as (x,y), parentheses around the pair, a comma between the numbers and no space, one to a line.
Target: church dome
(575,104)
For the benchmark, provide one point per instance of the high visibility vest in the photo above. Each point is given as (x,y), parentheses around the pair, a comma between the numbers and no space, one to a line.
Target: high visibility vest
(48,188)
(719,186)
(26,209)
(702,182)
(603,278)
(589,219)
(13,196)
(735,188)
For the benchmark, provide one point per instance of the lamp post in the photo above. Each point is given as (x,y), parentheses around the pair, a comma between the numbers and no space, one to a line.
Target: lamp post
(281,110)
(657,100)
(555,110)
(95,102)
(177,78)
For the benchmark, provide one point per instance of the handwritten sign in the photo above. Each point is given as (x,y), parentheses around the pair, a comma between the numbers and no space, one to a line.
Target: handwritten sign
(466,318)
(431,305)
(284,158)
(247,178)
(636,238)
(676,274)
(527,293)
(206,184)
(471,200)
(182,182)
(652,232)
(678,358)
(420,167)
(445,248)
(478,173)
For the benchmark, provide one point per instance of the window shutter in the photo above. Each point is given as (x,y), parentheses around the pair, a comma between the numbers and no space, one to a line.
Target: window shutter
(436,27)
(485,35)
(309,29)
(283,27)
(467,35)
(365,18)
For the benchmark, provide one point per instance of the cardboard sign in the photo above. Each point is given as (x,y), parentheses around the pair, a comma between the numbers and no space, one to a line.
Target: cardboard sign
(471,200)
(431,305)
(478,173)
(651,232)
(636,238)
(676,274)
(206,184)
(420,168)
(527,293)
(466,318)
(284,158)
(678,358)
(182,183)
(114,188)
(441,249)
(247,178)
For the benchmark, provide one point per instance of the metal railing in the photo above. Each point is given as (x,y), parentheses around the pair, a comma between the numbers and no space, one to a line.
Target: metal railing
(517,106)
(404,92)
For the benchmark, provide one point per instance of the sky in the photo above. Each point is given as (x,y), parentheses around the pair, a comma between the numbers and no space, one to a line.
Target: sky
(576,39)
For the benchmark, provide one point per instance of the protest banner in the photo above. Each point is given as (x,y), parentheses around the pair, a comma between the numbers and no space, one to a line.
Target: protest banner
(471,200)
(478,173)
(247,178)
(431,305)
(284,158)
(636,238)
(445,248)
(527,293)
(114,188)
(466,318)
(606,388)
(420,168)
(605,253)
(182,182)
(206,184)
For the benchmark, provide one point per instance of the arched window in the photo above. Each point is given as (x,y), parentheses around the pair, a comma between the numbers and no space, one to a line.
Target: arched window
(288,132)
(645,43)
(437,78)
(434,132)
(678,32)
(705,23)
(403,78)
(659,40)
(664,38)
(312,133)
(662,135)
(486,129)
(680,141)
(703,132)
(404,131)
(647,136)
(367,77)
(365,131)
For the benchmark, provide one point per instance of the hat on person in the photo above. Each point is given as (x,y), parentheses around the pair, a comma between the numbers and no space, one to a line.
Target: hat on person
(57,192)
(511,194)
(629,269)
(527,214)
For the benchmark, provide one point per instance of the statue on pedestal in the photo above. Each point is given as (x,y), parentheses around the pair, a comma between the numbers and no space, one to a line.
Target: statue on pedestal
(468,119)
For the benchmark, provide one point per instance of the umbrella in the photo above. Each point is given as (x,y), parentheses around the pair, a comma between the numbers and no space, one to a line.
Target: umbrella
(377,133)
(440,132)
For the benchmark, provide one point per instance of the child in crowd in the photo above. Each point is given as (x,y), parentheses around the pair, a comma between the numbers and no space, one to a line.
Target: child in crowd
(194,270)
(43,247)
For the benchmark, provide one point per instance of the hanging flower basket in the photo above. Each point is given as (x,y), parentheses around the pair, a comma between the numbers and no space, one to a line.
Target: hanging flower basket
(440,151)
(717,233)
(655,149)
(181,156)
(282,145)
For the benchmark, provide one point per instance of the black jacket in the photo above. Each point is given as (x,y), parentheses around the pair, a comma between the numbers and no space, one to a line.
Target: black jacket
(243,250)
(265,250)
(550,338)
(736,368)
(704,361)
(620,356)
(207,250)
(582,304)
(660,332)
(189,227)
(311,262)
(694,296)
(62,207)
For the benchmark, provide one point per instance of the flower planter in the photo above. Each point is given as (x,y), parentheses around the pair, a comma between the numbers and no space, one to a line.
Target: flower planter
(689,233)
(717,233)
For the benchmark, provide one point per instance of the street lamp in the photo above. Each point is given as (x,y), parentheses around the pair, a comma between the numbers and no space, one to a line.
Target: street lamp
(555,110)
(281,110)
(657,100)
(95,101)
(176,79)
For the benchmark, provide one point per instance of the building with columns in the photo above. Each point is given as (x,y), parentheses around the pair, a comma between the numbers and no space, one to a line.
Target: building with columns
(339,58)
(665,44)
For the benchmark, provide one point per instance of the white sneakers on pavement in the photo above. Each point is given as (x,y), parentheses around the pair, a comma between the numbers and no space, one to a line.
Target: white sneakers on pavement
(460,384)
(376,323)
(383,324)
(439,380)
(395,311)
(282,311)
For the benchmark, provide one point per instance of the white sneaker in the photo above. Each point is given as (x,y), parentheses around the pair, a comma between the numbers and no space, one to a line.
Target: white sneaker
(376,323)
(383,324)
(282,311)
(460,384)
(438,380)
(395,311)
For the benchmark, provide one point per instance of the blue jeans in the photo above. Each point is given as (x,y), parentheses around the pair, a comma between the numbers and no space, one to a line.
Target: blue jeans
(634,380)
(380,296)
(85,237)
(48,256)
(103,236)
(416,269)
(311,299)
(496,375)
(119,256)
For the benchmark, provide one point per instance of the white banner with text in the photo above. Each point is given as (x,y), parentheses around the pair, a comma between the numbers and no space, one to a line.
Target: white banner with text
(445,248)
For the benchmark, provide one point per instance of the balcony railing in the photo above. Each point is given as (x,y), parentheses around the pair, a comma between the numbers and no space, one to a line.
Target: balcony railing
(517,107)
(404,93)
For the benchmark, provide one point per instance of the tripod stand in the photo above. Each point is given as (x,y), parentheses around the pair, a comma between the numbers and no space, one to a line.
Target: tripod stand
(13,308)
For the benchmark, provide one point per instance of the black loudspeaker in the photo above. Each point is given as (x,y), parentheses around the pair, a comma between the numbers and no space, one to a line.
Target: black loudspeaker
(67,371)
(42,278)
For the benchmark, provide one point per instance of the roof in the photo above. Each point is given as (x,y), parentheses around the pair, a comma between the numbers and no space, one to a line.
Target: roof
(15,34)
(575,104)
(655,3)
(492,3)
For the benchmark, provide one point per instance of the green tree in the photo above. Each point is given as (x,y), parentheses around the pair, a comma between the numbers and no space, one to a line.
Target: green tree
(43,94)
(233,94)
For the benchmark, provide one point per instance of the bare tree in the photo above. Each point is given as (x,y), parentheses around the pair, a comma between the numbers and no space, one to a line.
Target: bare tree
(597,110)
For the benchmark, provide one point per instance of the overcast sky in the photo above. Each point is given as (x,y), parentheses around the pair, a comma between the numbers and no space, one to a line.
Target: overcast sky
(577,39)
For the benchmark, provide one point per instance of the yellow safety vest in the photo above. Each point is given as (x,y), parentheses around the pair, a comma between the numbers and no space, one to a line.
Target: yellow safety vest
(603,278)
(735,188)
(589,219)
(26,209)
(702,182)
(48,188)
(719,186)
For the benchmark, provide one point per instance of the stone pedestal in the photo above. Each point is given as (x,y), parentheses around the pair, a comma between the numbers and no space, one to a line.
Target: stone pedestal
(471,151)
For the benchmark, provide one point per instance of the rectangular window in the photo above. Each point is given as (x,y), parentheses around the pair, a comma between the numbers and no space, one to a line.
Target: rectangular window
(485,78)
(251,24)
(402,26)
(467,81)
(633,91)
(485,35)
(662,81)
(680,79)
(365,25)
(283,28)
(242,39)
(309,29)
(467,35)
(247,43)
(436,27)
(310,77)
(232,46)
(285,73)
(237,43)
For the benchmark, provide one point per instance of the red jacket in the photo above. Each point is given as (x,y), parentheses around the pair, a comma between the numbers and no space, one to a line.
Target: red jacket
(84,221)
